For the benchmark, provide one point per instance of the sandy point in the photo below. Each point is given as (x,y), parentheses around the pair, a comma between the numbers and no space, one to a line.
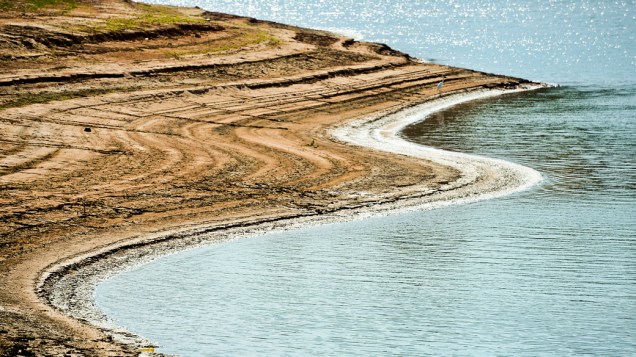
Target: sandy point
(171,125)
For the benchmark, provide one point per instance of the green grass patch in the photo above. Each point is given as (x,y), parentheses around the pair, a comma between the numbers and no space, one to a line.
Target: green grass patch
(35,5)
(147,21)
(244,39)
(149,16)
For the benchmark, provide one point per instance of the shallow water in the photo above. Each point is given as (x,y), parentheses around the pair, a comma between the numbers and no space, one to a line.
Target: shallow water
(550,271)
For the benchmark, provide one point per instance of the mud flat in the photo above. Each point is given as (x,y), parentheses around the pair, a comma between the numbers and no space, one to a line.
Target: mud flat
(130,131)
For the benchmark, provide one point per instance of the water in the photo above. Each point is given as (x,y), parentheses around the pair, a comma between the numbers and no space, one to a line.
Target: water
(550,271)
(587,41)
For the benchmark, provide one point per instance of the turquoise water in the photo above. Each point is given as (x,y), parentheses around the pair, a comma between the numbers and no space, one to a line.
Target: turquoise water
(547,272)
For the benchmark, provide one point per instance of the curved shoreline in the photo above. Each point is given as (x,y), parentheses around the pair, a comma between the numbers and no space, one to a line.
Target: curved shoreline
(212,126)
(69,285)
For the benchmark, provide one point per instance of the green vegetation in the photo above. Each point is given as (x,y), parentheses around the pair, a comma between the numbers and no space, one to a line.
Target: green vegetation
(150,16)
(147,21)
(241,40)
(35,5)
(138,16)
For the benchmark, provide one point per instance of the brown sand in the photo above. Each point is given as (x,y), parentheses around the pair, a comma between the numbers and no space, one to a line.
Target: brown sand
(178,118)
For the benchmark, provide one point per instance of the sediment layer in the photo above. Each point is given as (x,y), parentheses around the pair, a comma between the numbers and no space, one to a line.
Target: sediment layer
(174,119)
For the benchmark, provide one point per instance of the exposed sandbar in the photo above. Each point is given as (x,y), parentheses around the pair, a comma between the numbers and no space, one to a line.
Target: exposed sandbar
(479,178)
(123,123)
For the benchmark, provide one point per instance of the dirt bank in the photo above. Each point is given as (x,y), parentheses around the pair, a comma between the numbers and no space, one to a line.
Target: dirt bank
(122,120)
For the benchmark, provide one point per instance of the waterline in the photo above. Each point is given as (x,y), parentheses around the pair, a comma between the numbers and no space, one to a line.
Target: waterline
(482,178)
(504,177)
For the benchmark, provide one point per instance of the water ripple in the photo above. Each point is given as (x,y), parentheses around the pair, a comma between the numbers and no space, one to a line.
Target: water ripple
(548,272)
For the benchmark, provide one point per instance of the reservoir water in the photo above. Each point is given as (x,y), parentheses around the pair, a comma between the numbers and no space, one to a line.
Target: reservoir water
(547,272)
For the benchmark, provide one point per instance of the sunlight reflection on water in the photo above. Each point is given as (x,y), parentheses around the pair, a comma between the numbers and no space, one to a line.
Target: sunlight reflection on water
(551,271)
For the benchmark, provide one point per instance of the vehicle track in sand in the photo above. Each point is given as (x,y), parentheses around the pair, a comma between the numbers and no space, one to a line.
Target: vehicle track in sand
(98,147)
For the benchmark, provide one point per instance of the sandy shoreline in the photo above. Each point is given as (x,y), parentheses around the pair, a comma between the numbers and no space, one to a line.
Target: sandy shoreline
(482,178)
(178,125)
